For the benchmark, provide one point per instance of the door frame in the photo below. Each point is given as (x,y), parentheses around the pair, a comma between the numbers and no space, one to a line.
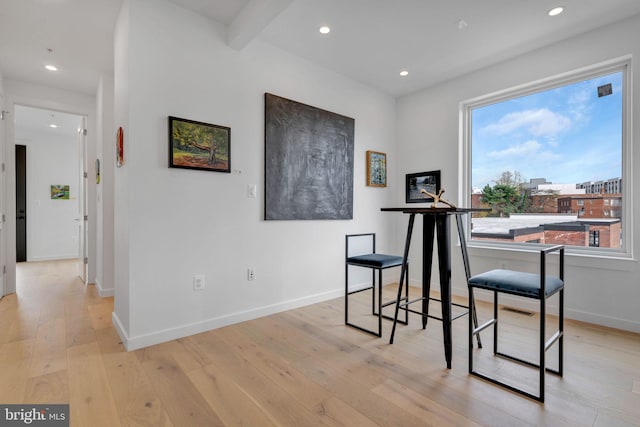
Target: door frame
(80,108)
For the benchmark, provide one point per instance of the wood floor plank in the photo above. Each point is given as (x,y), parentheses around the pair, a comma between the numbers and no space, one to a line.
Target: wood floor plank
(182,401)
(48,388)
(234,406)
(277,369)
(15,360)
(50,350)
(134,396)
(281,406)
(421,406)
(89,389)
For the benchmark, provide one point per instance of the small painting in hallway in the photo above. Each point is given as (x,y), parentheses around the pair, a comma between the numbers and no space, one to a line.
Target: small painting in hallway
(60,192)
(198,145)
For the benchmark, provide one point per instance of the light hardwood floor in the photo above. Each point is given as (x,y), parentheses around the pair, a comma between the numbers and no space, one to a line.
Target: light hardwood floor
(298,368)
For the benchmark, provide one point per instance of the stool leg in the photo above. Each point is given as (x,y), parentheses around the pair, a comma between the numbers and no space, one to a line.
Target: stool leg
(379,302)
(561,328)
(495,325)
(543,316)
(373,291)
(346,294)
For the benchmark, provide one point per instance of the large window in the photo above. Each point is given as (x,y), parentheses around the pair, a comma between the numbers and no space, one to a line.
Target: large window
(536,156)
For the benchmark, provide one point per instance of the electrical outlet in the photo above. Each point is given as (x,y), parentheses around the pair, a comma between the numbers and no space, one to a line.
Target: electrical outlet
(198,282)
(250,274)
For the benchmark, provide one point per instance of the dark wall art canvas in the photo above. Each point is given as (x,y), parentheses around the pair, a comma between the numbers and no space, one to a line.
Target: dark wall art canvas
(197,145)
(308,162)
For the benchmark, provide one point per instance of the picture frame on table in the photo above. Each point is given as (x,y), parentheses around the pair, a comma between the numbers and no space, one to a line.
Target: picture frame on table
(429,181)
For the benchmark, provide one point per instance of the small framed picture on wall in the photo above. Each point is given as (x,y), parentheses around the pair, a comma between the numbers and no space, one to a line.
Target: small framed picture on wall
(376,169)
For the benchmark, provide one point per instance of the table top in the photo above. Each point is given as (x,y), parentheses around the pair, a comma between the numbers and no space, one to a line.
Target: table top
(430,210)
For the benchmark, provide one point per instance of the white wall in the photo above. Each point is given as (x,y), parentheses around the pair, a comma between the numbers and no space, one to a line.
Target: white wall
(104,190)
(22,93)
(52,232)
(603,291)
(182,222)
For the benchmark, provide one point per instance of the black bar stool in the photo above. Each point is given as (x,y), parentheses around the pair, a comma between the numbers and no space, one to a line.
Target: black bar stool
(377,263)
(527,285)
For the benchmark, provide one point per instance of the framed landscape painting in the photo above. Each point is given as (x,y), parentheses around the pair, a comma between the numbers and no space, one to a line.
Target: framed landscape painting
(198,145)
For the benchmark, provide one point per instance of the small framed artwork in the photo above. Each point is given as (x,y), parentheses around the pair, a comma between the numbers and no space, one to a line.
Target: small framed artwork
(376,169)
(120,147)
(60,192)
(428,181)
(198,145)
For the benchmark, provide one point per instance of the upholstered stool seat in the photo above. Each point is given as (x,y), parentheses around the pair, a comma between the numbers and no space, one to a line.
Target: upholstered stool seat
(516,283)
(376,260)
(527,285)
(377,263)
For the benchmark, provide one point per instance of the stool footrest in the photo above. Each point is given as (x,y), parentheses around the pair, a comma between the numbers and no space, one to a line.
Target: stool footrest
(555,337)
(525,362)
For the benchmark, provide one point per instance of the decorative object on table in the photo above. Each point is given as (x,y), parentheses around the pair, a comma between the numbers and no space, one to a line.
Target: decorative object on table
(415,182)
(376,169)
(198,145)
(308,162)
(60,192)
(437,198)
(97,171)
(120,147)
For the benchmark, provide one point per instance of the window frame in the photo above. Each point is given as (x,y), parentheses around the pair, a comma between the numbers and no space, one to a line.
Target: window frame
(622,64)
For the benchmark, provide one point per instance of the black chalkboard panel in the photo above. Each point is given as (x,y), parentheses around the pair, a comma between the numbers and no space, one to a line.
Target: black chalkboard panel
(308,162)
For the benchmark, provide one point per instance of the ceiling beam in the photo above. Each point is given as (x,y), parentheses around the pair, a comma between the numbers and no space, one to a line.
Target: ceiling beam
(252,19)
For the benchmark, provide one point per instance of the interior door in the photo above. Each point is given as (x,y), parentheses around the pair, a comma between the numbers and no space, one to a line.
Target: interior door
(82,202)
(21,203)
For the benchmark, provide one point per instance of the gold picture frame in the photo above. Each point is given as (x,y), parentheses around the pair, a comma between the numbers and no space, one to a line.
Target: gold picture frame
(376,169)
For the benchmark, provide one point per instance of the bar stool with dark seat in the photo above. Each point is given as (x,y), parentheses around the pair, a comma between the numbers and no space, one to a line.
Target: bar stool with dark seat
(368,258)
(527,285)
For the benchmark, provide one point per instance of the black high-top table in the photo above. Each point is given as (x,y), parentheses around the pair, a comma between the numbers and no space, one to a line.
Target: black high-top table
(435,222)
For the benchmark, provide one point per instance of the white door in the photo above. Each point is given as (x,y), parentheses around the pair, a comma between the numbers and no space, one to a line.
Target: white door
(82,201)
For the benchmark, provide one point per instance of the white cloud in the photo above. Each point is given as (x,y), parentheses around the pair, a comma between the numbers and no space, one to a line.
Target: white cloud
(528,148)
(540,122)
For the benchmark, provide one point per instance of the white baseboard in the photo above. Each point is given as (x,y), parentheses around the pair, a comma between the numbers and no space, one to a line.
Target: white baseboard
(51,257)
(145,340)
(103,292)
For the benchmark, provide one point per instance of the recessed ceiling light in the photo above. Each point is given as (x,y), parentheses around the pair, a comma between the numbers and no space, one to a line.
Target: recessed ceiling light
(462,24)
(324,30)
(51,67)
(556,11)
(53,126)
(404,73)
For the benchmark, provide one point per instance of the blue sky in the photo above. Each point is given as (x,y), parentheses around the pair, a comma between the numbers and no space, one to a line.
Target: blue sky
(566,135)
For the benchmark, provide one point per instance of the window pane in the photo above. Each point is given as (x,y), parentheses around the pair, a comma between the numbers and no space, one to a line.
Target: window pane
(549,165)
